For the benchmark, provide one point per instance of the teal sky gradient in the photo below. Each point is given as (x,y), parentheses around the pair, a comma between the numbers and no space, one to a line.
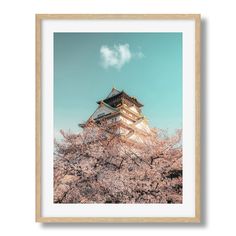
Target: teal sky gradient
(80,80)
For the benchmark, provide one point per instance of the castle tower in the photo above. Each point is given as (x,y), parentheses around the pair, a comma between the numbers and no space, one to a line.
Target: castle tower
(120,108)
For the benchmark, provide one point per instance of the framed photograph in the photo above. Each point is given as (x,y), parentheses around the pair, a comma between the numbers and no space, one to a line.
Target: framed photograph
(118,118)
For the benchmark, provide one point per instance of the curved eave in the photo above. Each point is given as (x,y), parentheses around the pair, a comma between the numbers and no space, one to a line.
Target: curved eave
(81,125)
(109,115)
(125,95)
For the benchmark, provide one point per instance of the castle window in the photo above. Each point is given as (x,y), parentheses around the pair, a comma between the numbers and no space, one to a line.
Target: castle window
(101,114)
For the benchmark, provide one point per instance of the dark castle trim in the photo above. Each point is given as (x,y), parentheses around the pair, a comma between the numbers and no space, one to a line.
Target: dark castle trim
(118,97)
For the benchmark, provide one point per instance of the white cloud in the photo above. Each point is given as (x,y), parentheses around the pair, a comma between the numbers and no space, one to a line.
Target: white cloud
(117,56)
(139,55)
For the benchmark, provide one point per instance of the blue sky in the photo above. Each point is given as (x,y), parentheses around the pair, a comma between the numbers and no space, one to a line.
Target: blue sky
(145,65)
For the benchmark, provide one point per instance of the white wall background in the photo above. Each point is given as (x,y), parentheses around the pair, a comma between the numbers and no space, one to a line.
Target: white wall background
(17,77)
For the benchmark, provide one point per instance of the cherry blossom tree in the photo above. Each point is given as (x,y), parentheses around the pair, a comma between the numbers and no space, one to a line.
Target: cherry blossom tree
(99,165)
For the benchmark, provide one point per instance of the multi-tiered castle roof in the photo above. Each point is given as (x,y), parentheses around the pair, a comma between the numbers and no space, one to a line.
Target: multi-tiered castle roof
(120,108)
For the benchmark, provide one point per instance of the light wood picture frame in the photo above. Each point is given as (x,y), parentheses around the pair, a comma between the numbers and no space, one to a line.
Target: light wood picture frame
(44,32)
